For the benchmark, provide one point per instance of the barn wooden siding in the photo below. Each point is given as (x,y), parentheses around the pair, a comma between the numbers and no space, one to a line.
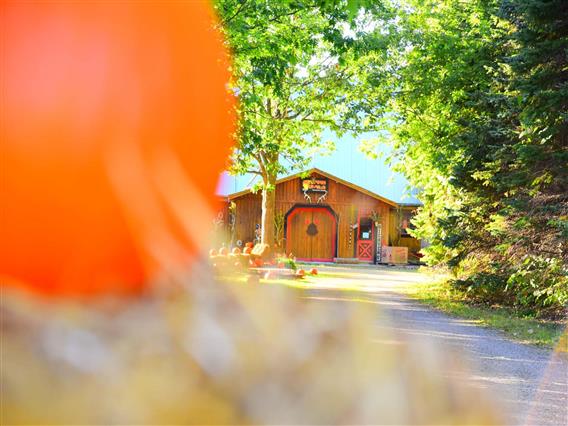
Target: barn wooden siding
(221,231)
(346,202)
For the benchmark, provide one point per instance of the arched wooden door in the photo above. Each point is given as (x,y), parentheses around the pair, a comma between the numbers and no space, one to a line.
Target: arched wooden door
(311,234)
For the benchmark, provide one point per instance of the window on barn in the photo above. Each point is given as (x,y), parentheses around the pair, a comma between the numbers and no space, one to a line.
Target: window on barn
(366,229)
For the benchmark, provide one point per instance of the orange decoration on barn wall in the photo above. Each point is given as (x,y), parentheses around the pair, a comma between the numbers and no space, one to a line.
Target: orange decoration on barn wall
(116,124)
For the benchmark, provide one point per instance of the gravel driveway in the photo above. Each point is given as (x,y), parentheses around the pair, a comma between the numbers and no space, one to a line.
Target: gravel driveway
(531,383)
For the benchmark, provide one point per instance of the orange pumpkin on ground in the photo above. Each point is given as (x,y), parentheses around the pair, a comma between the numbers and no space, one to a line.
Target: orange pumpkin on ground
(247,250)
(300,272)
(313,271)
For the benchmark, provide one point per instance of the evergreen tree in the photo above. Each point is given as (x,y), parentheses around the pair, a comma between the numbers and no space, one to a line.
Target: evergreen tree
(480,126)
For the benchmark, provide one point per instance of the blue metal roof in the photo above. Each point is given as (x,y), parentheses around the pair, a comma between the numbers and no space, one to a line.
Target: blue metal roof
(348,163)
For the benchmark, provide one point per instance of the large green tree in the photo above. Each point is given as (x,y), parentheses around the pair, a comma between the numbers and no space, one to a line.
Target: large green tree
(299,69)
(479,112)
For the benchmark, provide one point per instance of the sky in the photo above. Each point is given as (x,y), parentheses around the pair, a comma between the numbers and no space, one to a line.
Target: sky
(346,162)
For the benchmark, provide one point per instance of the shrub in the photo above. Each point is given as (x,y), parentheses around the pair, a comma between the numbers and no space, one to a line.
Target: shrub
(540,282)
(288,262)
(484,287)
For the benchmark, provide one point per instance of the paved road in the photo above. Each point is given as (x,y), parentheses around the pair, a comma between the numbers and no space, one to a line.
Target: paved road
(529,382)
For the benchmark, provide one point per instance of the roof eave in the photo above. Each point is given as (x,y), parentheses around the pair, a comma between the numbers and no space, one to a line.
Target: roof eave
(329,176)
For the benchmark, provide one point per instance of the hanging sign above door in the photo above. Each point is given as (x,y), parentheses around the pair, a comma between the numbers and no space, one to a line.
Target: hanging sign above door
(314,185)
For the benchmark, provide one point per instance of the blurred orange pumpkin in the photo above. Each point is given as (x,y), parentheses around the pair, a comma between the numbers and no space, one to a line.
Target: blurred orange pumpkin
(116,124)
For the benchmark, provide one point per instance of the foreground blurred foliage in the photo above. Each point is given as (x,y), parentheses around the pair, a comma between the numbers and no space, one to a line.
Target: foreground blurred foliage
(479,122)
(222,353)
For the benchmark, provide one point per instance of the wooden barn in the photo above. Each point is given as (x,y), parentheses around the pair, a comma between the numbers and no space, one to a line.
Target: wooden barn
(320,217)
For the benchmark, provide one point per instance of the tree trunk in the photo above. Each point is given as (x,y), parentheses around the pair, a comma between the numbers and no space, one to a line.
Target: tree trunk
(268,211)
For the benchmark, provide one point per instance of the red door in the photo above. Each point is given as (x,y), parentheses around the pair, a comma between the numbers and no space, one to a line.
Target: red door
(311,234)
(365,245)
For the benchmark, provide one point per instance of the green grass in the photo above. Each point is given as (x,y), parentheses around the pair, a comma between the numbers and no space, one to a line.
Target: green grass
(517,325)
(304,282)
